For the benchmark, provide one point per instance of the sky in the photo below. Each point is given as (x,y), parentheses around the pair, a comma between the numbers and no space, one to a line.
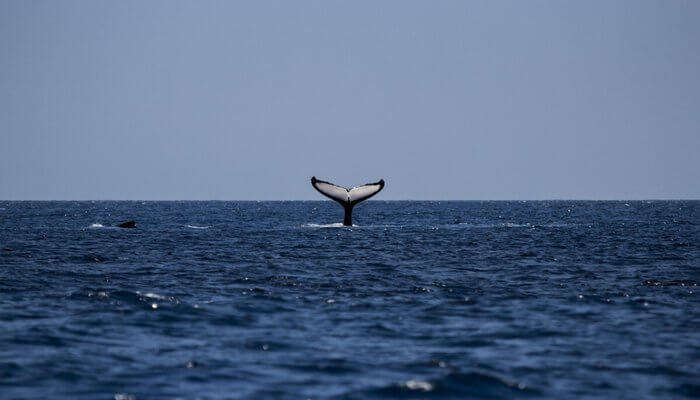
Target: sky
(445,100)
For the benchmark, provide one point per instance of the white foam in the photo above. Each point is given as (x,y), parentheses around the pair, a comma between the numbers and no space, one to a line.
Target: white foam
(197,227)
(514,225)
(499,225)
(152,295)
(336,225)
(559,225)
(96,226)
(415,384)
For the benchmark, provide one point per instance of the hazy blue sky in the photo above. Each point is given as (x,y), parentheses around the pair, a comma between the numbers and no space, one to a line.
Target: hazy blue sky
(443,99)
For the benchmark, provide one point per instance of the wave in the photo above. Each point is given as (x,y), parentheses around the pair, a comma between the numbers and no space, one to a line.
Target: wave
(454,385)
(151,295)
(335,225)
(340,225)
(513,225)
(557,225)
(464,225)
(198,227)
(498,225)
(126,297)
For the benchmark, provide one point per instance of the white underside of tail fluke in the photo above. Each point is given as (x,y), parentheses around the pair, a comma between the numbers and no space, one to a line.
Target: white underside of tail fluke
(333,192)
(364,192)
(347,196)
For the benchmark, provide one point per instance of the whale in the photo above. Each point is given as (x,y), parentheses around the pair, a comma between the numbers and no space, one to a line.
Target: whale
(127,224)
(347,198)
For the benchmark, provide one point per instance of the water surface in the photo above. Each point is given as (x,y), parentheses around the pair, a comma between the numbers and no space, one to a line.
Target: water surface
(257,300)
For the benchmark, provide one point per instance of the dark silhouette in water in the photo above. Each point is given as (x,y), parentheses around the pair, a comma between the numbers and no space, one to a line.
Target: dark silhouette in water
(127,224)
(347,198)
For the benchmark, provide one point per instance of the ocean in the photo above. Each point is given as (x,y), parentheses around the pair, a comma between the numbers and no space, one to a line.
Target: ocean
(419,300)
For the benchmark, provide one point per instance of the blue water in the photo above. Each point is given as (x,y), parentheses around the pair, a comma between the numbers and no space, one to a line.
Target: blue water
(275,300)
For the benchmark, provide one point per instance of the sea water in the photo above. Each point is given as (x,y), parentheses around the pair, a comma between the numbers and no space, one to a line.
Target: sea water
(277,300)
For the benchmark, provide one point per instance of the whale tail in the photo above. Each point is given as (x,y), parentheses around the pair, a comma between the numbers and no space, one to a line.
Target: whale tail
(347,198)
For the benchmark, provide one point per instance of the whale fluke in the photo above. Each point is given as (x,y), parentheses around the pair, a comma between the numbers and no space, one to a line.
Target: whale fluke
(127,224)
(347,198)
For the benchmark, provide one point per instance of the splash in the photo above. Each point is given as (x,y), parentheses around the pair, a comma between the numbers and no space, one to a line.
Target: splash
(96,226)
(335,225)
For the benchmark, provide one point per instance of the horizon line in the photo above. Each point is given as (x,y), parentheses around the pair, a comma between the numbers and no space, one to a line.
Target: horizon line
(373,200)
